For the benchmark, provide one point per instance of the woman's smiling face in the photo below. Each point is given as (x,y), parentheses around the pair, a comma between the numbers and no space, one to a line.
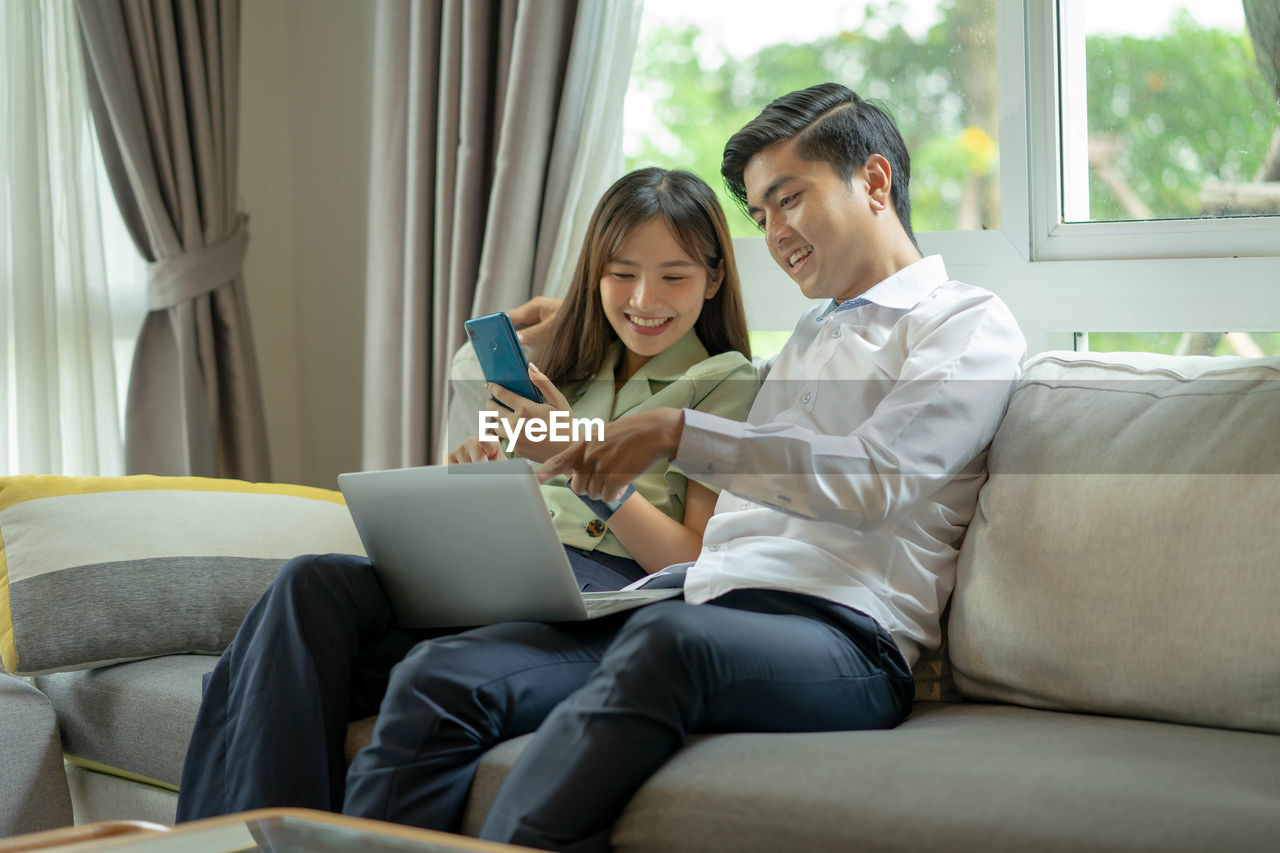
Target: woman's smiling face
(653,292)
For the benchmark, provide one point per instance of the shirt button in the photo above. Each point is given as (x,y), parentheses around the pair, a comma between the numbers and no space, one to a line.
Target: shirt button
(595,528)
(553,513)
(835,333)
(713,547)
(806,398)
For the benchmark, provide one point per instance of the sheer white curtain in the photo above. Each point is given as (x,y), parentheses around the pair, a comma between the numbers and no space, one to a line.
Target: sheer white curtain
(604,45)
(58,393)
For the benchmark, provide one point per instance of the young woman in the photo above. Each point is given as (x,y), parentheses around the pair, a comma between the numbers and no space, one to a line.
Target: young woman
(653,318)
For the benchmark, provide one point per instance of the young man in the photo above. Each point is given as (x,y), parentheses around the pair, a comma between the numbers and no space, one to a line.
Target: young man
(830,557)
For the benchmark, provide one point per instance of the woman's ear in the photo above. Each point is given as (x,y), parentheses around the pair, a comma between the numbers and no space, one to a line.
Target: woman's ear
(879,177)
(714,280)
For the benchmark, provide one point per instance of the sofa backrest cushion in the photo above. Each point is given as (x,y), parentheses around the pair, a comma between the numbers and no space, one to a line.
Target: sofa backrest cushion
(99,570)
(1124,557)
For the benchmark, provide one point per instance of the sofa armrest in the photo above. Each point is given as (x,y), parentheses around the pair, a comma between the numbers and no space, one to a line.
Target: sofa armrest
(33,783)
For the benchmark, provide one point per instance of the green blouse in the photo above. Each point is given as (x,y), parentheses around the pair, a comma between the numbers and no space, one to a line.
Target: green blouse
(682,377)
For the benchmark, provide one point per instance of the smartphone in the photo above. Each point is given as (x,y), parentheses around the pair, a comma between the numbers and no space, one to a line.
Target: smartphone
(501,357)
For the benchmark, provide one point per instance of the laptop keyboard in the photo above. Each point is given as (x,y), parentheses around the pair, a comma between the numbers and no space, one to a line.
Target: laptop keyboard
(606,602)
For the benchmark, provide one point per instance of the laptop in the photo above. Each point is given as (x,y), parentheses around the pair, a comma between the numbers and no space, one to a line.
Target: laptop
(470,545)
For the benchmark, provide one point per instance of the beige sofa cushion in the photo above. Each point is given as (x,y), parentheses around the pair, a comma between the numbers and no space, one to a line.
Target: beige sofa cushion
(131,720)
(1124,557)
(960,778)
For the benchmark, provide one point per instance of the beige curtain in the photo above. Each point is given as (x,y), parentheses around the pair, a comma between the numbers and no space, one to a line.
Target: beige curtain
(475,123)
(164,84)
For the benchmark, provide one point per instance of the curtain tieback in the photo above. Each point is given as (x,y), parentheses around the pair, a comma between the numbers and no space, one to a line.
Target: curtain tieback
(186,276)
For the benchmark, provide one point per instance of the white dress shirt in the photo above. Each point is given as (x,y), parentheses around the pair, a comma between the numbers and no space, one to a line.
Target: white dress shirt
(858,468)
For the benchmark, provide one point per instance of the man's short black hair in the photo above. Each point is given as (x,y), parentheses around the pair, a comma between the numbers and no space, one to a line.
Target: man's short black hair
(832,124)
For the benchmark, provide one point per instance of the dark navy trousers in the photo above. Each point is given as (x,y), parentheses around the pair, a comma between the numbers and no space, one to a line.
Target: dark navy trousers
(314,653)
(610,701)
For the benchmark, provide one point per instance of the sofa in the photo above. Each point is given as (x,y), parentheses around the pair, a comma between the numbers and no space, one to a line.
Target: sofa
(1110,676)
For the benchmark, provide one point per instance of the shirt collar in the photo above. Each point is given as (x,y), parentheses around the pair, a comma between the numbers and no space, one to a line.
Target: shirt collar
(675,361)
(903,290)
(667,366)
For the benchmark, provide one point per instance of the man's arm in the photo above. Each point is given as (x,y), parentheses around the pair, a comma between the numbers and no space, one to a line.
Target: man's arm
(533,321)
(929,429)
(936,420)
(602,469)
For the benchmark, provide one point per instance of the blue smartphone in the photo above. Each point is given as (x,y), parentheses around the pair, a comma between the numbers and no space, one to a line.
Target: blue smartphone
(501,357)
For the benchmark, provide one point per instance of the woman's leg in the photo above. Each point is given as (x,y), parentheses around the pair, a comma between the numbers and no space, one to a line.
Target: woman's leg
(753,660)
(451,699)
(599,572)
(313,653)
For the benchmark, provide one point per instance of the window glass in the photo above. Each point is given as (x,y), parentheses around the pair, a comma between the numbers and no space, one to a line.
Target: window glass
(767,344)
(704,69)
(1250,344)
(1170,109)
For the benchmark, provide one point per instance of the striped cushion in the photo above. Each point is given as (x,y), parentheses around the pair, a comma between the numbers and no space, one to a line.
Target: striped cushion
(100,570)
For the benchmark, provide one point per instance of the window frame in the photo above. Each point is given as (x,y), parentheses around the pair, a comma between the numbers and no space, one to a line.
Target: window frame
(1058,128)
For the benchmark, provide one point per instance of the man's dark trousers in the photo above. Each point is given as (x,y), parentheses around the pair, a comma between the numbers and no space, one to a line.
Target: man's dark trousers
(611,700)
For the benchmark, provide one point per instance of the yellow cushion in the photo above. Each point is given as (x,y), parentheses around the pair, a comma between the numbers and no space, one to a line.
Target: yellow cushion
(98,570)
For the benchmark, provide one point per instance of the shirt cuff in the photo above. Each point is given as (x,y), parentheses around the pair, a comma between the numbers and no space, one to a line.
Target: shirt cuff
(708,448)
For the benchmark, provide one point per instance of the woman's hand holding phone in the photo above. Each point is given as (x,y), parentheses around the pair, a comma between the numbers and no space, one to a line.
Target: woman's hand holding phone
(522,407)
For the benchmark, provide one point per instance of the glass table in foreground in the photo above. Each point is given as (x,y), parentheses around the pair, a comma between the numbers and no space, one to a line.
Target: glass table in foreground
(269,831)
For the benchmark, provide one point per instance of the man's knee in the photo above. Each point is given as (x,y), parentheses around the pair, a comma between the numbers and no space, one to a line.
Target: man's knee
(444,678)
(485,681)
(667,638)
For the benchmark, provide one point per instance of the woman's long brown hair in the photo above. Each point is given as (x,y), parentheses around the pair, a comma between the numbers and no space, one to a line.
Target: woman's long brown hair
(581,337)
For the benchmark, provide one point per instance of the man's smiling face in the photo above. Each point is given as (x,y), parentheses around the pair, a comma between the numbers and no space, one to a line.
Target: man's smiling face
(820,229)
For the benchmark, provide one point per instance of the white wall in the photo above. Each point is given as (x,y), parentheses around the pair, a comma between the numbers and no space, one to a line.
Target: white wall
(305,90)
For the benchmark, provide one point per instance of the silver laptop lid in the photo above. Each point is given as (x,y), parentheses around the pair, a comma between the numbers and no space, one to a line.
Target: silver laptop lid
(463,545)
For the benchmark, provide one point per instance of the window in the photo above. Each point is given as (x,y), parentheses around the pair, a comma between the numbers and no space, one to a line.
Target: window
(1166,114)
(1170,148)
(1057,80)
(704,69)
(1149,127)
(1248,344)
